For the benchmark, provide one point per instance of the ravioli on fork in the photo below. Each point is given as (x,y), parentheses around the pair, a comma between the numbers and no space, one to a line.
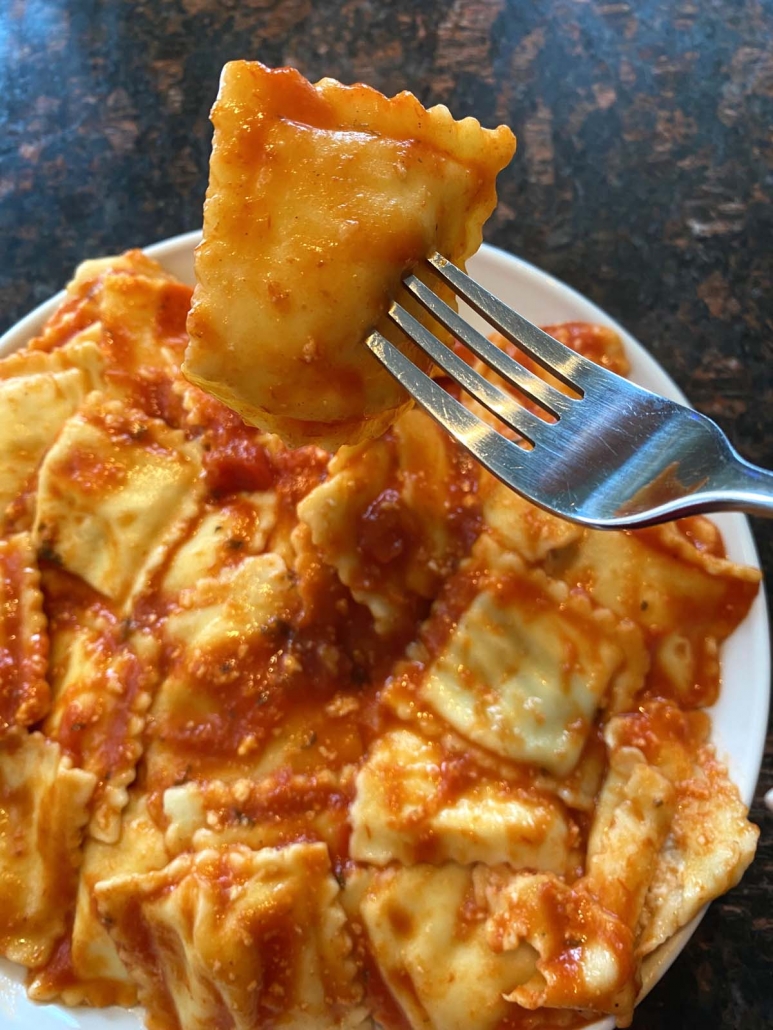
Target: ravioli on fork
(321,197)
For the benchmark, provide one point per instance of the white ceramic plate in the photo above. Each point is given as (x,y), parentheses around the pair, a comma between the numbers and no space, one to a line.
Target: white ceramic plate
(740,717)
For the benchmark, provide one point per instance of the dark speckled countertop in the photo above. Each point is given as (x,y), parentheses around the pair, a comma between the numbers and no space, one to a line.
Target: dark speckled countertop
(644,179)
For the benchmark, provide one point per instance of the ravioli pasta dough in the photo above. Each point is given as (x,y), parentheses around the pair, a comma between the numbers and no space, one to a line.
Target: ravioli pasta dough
(304,742)
(321,197)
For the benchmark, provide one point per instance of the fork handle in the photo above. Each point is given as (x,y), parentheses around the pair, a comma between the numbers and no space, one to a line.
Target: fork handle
(744,487)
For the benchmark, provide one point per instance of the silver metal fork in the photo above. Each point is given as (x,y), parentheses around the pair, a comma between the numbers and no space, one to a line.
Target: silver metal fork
(616,456)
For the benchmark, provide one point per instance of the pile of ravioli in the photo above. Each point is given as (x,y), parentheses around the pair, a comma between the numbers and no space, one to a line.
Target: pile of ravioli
(299,741)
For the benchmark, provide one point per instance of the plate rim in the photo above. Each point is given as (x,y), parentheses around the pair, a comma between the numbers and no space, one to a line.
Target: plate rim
(505,263)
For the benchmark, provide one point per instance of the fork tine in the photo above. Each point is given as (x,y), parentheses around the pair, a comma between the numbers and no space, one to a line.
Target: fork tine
(503,406)
(553,356)
(537,389)
(503,458)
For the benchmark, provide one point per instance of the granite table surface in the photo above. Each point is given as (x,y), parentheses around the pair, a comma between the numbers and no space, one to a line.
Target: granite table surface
(644,178)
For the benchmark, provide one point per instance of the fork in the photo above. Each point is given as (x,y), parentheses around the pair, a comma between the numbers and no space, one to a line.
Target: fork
(616,456)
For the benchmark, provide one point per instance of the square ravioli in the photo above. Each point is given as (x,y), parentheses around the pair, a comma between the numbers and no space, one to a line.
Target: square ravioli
(427,928)
(102,681)
(87,969)
(321,197)
(43,809)
(38,392)
(416,801)
(395,516)
(115,491)
(674,582)
(237,938)
(524,666)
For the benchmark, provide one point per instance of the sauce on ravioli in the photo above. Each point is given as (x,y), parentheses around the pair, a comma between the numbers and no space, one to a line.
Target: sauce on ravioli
(321,197)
